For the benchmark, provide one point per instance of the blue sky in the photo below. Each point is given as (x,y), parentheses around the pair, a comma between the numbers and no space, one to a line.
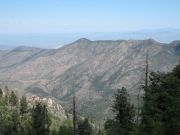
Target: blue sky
(72,16)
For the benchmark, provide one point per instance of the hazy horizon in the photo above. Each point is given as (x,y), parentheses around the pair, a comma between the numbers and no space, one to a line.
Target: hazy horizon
(52,24)
(57,40)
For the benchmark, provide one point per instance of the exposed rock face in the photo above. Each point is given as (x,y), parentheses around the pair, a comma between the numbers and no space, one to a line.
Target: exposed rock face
(91,69)
(52,105)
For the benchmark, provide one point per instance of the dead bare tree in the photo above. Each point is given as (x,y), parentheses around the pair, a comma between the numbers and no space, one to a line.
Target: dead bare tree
(74,114)
(147,70)
(145,85)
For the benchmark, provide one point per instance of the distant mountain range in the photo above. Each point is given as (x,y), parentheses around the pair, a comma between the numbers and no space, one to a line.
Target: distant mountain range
(51,41)
(92,70)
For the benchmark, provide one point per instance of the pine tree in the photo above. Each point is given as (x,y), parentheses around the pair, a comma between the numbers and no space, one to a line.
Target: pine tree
(74,115)
(84,127)
(13,99)
(40,120)
(65,130)
(23,105)
(1,93)
(161,109)
(7,94)
(122,124)
(15,123)
(25,125)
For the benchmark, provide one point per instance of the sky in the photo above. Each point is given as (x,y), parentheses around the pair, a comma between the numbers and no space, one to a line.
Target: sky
(54,23)
(83,16)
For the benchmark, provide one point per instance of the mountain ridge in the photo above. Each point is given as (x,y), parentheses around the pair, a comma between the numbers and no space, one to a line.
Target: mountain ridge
(21,47)
(55,40)
(92,70)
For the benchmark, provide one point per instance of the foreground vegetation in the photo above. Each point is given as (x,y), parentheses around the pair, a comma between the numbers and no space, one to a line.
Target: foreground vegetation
(159,113)
(19,118)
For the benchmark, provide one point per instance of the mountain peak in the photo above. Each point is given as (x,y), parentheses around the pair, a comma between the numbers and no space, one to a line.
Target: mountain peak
(150,41)
(83,40)
(175,42)
(24,48)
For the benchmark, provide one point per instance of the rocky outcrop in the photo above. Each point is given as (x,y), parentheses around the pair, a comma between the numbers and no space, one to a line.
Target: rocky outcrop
(52,105)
